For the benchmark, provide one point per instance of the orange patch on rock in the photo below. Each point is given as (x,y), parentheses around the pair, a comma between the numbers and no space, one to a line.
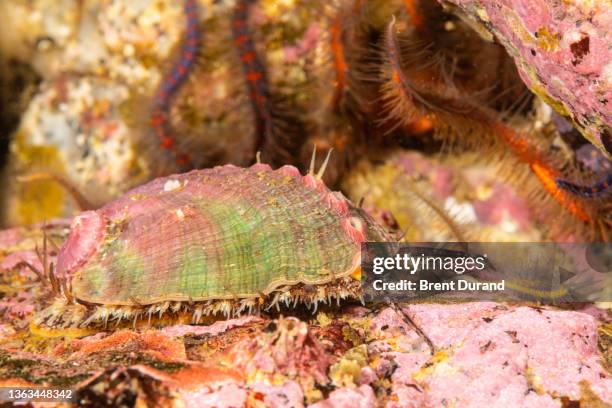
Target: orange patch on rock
(17,382)
(154,343)
(196,375)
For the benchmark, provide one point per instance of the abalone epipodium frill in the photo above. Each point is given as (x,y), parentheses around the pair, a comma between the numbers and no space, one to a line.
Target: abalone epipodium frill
(222,233)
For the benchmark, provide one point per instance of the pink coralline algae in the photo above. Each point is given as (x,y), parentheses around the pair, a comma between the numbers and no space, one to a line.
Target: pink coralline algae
(562,51)
(502,203)
(18,259)
(486,354)
(292,349)
(506,351)
(362,397)
(17,307)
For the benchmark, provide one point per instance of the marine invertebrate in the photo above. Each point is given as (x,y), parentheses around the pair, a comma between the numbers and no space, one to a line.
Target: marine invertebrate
(254,72)
(562,52)
(339,101)
(595,190)
(273,97)
(220,241)
(462,120)
(279,78)
(176,76)
(214,103)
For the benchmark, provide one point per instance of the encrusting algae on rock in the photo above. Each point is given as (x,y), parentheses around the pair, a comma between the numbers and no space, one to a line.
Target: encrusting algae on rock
(222,241)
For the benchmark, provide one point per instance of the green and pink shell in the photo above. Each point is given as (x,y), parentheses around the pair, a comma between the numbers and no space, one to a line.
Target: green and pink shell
(222,240)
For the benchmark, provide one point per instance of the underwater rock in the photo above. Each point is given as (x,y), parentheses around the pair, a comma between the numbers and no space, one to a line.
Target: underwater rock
(362,397)
(434,199)
(474,197)
(561,49)
(505,350)
(95,59)
(154,343)
(38,31)
(288,394)
(496,351)
(214,329)
(72,128)
(105,65)
(105,38)
(290,349)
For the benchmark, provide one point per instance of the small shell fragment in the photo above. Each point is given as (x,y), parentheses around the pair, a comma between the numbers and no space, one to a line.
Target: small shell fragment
(172,185)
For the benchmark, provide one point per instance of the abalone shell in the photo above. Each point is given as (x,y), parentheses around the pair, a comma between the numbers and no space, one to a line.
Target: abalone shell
(222,233)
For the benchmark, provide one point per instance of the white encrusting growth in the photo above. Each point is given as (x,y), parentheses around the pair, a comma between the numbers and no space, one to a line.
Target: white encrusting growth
(172,185)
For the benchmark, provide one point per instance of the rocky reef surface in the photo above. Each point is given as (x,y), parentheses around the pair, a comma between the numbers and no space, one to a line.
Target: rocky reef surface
(562,50)
(485,354)
(98,65)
